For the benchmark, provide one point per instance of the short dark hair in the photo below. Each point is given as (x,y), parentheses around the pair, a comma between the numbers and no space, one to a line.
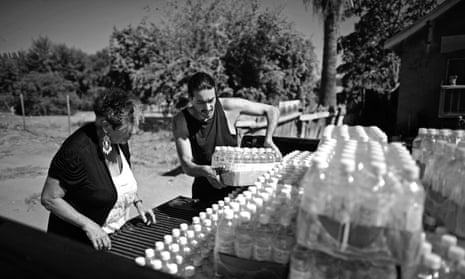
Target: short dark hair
(200,81)
(114,105)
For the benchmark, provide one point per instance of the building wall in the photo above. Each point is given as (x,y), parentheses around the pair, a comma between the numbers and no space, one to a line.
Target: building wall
(422,73)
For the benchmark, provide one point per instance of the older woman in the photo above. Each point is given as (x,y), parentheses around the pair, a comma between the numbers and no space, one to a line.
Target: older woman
(90,186)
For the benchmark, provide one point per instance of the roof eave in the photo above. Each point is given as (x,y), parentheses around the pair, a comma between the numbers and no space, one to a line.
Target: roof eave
(395,40)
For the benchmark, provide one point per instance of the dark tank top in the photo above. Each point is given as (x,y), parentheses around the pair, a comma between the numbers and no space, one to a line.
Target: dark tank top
(204,136)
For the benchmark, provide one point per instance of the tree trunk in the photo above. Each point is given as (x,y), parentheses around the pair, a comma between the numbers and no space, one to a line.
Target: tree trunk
(328,72)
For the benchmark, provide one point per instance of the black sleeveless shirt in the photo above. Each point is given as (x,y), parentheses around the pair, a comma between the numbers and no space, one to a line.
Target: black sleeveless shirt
(204,136)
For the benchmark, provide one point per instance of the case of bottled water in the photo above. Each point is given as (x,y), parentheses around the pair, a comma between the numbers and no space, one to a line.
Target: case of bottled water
(241,166)
(362,200)
(441,152)
(264,219)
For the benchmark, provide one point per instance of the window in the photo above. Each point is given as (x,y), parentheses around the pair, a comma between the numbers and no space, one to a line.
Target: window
(452,95)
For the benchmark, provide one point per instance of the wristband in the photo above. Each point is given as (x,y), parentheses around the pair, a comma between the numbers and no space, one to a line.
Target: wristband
(136,201)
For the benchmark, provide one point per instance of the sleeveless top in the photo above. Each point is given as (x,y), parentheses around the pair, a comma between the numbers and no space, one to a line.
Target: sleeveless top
(126,189)
(204,136)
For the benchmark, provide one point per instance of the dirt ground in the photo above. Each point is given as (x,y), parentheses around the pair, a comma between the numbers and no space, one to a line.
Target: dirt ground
(26,154)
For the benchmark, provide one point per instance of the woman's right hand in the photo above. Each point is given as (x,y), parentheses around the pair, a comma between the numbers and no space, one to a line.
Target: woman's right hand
(97,236)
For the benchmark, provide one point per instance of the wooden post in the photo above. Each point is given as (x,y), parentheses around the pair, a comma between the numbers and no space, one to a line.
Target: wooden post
(22,110)
(68,108)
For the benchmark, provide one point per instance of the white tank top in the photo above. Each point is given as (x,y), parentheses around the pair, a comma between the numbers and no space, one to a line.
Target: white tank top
(126,189)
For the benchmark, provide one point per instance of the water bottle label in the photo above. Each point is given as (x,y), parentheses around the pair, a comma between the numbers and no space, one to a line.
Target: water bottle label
(281,256)
(262,253)
(226,247)
(244,250)
(297,274)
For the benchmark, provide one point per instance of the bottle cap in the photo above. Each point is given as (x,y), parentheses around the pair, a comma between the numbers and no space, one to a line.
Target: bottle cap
(179,260)
(165,256)
(209,211)
(432,261)
(172,268)
(456,253)
(184,226)
(448,240)
(245,215)
(140,261)
(202,215)
(426,248)
(159,245)
(176,232)
(157,264)
(168,239)
(149,253)
(189,271)
(183,240)
(207,223)
(195,220)
(197,228)
(175,248)
(190,234)
(229,214)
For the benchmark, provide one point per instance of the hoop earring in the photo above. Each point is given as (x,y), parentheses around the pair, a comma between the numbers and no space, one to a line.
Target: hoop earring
(106,144)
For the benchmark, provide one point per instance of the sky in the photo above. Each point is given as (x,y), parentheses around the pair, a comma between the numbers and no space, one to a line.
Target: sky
(87,24)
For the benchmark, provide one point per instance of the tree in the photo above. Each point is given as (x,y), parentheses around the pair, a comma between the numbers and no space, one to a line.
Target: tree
(367,67)
(366,64)
(241,46)
(45,93)
(330,10)
(273,59)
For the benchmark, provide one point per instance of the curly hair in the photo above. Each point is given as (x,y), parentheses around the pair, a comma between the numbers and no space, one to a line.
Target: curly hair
(200,81)
(115,105)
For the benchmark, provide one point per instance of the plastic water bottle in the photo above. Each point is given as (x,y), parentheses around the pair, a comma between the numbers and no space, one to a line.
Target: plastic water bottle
(447,241)
(216,158)
(451,263)
(301,263)
(189,271)
(149,255)
(166,260)
(244,238)
(429,268)
(140,261)
(458,273)
(224,242)
(283,241)
(263,239)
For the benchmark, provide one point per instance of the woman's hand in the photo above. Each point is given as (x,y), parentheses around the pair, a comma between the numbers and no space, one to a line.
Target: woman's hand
(97,236)
(146,214)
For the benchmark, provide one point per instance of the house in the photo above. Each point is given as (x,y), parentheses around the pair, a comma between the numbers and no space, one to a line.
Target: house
(432,73)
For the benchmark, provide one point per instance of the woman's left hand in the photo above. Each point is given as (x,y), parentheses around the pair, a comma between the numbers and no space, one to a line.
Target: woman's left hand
(146,214)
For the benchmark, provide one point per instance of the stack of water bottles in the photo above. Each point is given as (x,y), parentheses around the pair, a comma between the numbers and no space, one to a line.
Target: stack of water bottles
(187,252)
(441,155)
(361,211)
(241,166)
(258,226)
